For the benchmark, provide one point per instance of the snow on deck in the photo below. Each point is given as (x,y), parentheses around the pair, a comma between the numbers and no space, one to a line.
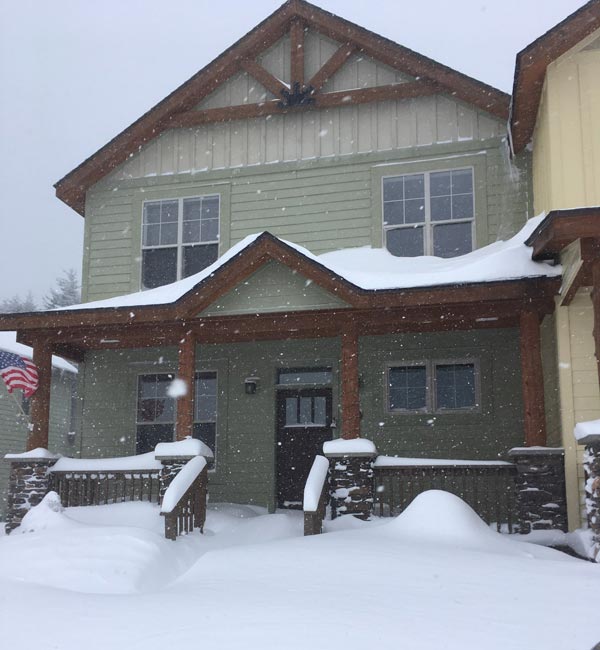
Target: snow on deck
(376,269)
(8,343)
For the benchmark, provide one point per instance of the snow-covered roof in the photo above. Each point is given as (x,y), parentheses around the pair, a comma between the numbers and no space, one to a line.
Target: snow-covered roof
(8,343)
(375,269)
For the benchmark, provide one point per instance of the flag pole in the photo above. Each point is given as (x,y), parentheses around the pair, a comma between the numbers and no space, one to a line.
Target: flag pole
(19,406)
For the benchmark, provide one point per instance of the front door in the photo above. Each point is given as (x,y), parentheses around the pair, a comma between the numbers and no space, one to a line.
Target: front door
(303,425)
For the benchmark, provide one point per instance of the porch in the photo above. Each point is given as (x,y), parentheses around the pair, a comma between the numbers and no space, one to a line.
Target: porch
(354,342)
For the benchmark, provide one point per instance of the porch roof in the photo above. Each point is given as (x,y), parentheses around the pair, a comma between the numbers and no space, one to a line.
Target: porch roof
(486,288)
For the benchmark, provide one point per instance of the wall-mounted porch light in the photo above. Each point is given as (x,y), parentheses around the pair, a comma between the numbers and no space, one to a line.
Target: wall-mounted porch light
(251,385)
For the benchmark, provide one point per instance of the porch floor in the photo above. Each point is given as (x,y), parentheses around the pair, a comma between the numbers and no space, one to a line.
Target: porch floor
(105,576)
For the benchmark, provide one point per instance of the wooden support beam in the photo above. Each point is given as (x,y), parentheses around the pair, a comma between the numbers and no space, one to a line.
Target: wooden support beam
(332,65)
(40,402)
(407,90)
(297,52)
(186,371)
(532,378)
(264,77)
(350,398)
(596,307)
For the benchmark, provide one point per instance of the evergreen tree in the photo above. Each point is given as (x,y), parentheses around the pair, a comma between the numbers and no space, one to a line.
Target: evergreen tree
(18,304)
(65,293)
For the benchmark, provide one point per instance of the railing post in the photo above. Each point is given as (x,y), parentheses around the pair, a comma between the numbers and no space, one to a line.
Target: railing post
(351,476)
(591,465)
(540,483)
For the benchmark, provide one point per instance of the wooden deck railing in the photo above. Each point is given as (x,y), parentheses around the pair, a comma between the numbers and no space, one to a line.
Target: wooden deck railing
(99,487)
(488,487)
(316,496)
(184,502)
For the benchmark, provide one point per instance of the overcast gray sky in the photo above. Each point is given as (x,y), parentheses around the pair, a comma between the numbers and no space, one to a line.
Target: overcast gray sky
(73,73)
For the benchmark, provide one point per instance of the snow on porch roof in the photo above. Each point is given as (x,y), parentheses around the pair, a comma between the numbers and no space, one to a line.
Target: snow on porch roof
(375,269)
(8,343)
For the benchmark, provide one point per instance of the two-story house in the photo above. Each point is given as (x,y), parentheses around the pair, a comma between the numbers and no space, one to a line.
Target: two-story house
(556,114)
(310,234)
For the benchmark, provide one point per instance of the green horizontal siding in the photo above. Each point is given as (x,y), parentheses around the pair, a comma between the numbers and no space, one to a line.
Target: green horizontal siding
(246,423)
(323,204)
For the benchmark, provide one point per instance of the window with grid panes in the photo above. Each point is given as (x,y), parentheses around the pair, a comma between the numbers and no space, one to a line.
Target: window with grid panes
(179,238)
(433,387)
(429,214)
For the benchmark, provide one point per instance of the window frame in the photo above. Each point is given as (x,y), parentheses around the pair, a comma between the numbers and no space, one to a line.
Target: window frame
(180,244)
(431,407)
(429,224)
(215,372)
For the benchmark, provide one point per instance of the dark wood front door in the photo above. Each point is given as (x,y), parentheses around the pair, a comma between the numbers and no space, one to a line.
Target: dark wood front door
(303,425)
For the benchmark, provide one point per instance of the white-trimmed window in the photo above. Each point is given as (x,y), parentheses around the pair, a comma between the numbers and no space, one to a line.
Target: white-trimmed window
(433,386)
(431,213)
(179,238)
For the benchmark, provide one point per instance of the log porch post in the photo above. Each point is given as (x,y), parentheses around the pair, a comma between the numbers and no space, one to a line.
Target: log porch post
(532,378)
(350,384)
(596,307)
(186,372)
(40,401)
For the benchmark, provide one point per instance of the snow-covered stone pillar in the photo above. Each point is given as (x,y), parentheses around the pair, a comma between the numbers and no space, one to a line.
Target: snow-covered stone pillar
(351,476)
(587,435)
(28,484)
(540,483)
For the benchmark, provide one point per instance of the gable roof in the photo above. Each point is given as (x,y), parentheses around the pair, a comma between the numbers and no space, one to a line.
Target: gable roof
(531,64)
(432,77)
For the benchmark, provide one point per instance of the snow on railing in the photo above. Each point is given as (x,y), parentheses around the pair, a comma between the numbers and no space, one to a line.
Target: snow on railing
(316,493)
(184,502)
(98,481)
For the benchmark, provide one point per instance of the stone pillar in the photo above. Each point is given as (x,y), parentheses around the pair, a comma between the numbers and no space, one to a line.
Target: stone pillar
(540,483)
(171,466)
(591,465)
(351,477)
(29,482)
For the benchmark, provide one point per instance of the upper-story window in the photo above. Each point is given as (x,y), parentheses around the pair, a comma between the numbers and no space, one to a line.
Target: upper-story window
(179,238)
(429,214)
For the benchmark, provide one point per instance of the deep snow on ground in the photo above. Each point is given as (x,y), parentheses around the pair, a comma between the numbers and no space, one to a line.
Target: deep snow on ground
(435,577)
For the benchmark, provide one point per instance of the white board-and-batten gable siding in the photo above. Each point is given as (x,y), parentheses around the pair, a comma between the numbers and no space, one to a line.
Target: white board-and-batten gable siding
(313,134)
(309,135)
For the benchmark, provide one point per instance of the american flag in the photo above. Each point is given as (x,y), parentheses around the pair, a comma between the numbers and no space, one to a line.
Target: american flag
(18,372)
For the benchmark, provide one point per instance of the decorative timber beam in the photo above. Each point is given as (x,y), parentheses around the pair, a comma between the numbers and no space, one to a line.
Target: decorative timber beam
(407,90)
(264,77)
(532,379)
(330,67)
(297,52)
(40,401)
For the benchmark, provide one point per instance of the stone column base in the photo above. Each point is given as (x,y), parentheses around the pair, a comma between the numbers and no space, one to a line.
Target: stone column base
(28,484)
(351,481)
(171,466)
(540,483)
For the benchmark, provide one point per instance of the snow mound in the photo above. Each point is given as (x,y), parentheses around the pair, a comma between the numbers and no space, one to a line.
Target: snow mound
(440,519)
(47,514)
